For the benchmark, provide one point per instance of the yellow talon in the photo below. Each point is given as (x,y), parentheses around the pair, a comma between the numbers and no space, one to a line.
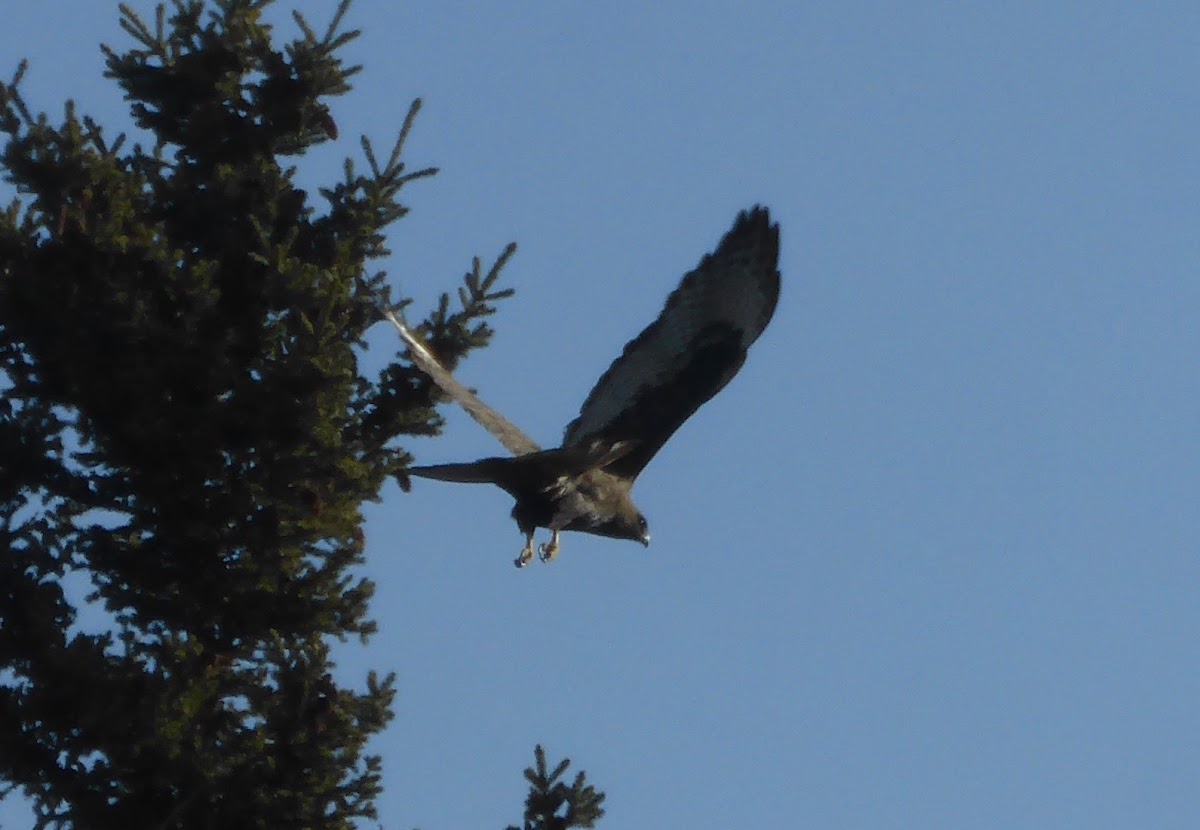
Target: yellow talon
(548,551)
(526,555)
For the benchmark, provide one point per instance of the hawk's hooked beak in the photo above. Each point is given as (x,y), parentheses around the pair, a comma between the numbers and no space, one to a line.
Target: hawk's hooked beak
(645,540)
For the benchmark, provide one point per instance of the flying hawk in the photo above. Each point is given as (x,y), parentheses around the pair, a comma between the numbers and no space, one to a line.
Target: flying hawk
(666,373)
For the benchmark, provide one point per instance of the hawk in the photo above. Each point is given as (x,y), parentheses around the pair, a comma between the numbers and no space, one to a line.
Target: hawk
(666,373)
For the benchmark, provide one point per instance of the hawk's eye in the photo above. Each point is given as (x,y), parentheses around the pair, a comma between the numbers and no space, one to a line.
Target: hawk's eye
(641,523)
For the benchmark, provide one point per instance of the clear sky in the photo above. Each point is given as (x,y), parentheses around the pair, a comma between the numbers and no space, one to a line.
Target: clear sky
(931,560)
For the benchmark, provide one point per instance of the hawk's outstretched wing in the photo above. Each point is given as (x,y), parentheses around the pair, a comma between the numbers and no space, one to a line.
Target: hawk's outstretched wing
(691,351)
(514,440)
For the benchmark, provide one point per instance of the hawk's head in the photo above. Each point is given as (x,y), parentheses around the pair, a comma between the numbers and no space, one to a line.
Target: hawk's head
(624,523)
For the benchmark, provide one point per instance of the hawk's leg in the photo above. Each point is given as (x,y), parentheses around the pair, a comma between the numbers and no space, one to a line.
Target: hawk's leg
(548,551)
(526,555)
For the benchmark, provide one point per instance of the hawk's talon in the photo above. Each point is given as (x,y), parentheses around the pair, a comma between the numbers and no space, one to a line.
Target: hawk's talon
(548,550)
(526,555)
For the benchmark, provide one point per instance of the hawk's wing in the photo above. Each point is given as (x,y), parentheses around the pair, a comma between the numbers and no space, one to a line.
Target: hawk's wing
(691,351)
(517,442)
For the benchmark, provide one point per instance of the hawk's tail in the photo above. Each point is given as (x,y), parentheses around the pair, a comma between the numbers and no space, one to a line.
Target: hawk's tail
(484,471)
(544,466)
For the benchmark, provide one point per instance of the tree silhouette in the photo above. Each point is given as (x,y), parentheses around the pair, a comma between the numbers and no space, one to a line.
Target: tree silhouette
(186,430)
(552,804)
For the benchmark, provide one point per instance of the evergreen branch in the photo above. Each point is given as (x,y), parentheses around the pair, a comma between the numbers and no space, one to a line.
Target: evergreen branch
(178,811)
(552,804)
(409,120)
(10,96)
(132,23)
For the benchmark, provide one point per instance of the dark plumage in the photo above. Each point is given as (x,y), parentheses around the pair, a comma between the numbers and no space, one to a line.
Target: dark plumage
(666,373)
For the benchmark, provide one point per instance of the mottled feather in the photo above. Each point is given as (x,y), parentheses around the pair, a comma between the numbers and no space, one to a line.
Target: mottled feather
(691,351)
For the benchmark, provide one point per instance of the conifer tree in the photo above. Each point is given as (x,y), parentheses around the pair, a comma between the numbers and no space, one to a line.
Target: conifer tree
(185,427)
(552,804)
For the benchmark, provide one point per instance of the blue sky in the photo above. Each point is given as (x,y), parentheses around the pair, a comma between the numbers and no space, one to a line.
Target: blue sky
(931,559)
